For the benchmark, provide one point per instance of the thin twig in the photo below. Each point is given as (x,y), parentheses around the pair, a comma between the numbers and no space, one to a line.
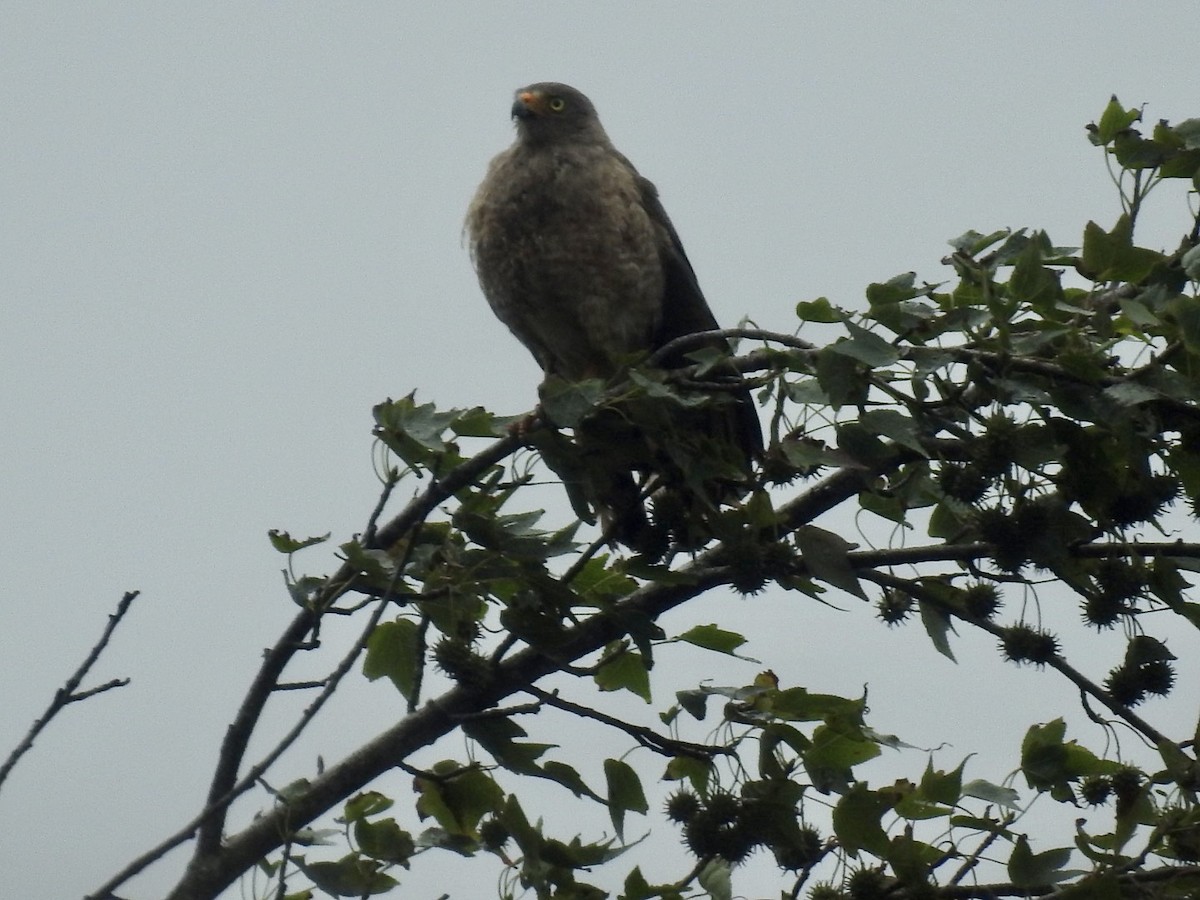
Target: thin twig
(254,775)
(1056,662)
(702,339)
(69,693)
(648,738)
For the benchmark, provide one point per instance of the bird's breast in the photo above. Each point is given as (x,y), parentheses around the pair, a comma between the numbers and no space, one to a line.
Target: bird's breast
(568,257)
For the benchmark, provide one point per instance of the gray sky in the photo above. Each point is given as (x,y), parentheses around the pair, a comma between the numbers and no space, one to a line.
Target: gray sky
(229,229)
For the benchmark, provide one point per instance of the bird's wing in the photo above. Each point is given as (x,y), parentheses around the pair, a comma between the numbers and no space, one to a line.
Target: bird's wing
(685,311)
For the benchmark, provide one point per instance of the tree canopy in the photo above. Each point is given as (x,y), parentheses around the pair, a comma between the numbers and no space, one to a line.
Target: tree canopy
(1024,433)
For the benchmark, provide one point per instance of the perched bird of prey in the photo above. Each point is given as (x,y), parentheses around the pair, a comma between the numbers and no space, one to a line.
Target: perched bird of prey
(576,255)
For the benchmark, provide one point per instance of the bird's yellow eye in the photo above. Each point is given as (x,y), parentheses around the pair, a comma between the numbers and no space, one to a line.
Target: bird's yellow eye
(557,104)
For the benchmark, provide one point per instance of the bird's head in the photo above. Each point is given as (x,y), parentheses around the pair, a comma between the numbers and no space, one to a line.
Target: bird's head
(555,113)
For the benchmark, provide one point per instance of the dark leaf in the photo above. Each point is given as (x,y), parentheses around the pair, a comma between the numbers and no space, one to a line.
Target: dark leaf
(825,555)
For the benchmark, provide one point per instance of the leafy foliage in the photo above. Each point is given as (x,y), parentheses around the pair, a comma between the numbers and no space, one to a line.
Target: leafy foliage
(1025,422)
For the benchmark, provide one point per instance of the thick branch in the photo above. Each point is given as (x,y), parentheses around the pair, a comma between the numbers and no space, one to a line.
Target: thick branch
(211,873)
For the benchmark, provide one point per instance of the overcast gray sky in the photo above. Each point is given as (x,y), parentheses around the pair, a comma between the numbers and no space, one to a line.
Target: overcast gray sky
(228,229)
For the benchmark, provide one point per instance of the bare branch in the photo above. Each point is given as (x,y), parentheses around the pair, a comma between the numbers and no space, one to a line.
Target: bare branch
(648,738)
(69,693)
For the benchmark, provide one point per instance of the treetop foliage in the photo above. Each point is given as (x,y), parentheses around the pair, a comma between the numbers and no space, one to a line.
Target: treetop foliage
(1026,430)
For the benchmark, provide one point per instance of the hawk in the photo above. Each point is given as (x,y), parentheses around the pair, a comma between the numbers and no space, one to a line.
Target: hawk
(576,255)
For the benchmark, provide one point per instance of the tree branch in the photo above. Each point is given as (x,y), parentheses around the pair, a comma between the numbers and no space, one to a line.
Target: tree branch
(69,692)
(648,738)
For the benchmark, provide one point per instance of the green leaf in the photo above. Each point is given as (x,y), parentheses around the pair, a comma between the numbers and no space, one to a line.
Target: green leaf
(1189,132)
(458,798)
(376,565)
(285,543)
(368,803)
(412,432)
(825,555)
(498,735)
(565,403)
(393,651)
(894,425)
(1191,263)
(992,793)
(798,705)
(478,422)
(568,777)
(1186,313)
(840,378)
(710,637)
(820,310)
(1027,869)
(694,702)
(836,749)
(624,793)
(866,347)
(384,840)
(972,242)
(714,877)
(350,876)
(696,771)
(597,583)
(856,821)
(942,787)
(937,624)
(1032,282)
(625,671)
(636,887)
(1113,120)
(1112,256)
(1133,152)
(894,290)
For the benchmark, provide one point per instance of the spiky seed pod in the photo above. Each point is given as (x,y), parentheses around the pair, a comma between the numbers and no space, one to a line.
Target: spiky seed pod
(706,837)
(867,884)
(1095,790)
(994,451)
(1144,501)
(894,606)
(962,482)
(1157,677)
(999,529)
(682,806)
(723,807)
(1127,786)
(823,890)
(1021,643)
(801,852)
(1143,648)
(668,509)
(468,630)
(1101,611)
(493,835)
(1118,580)
(982,600)
(778,466)
(460,662)
(1124,685)
(748,570)
(702,835)
(1183,839)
